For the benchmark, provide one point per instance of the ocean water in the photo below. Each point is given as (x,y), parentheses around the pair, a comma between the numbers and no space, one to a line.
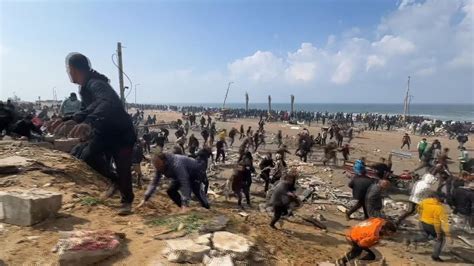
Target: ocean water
(455,112)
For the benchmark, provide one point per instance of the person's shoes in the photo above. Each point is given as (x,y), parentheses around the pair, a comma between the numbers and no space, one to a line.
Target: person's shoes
(110,191)
(438,259)
(367,257)
(348,217)
(125,209)
(407,243)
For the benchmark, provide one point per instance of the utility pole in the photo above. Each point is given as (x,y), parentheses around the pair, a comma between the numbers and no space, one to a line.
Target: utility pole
(120,69)
(136,93)
(407,99)
(55,96)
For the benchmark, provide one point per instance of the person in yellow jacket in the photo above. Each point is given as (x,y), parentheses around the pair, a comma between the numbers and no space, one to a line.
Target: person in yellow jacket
(433,223)
(222,134)
(365,235)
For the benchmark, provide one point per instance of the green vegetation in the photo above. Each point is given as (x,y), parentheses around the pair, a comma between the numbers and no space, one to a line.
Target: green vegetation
(91,201)
(191,222)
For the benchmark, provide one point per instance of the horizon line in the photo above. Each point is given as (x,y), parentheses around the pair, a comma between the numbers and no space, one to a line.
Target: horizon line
(457,103)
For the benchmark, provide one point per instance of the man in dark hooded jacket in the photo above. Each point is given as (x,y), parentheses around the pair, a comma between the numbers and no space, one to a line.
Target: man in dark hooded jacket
(112,129)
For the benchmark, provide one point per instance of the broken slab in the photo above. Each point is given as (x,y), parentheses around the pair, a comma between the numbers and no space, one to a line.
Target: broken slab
(13,164)
(203,240)
(18,161)
(65,145)
(218,261)
(235,245)
(27,207)
(171,235)
(185,250)
(217,224)
(84,247)
(342,209)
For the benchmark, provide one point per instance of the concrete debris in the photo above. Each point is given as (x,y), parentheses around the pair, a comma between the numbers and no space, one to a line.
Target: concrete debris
(65,145)
(466,240)
(243,214)
(82,247)
(319,217)
(235,245)
(31,238)
(17,161)
(342,209)
(28,207)
(217,224)
(171,235)
(185,250)
(203,239)
(326,263)
(218,261)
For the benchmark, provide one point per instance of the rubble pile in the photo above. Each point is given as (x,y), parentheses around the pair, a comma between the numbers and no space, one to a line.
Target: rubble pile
(218,248)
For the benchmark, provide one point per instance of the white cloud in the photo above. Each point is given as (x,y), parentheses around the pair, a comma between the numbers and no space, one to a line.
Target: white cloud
(374,61)
(405,3)
(261,66)
(394,45)
(426,71)
(304,71)
(419,39)
(343,73)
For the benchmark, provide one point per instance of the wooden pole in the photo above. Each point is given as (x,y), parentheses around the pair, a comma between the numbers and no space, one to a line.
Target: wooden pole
(246,102)
(269,104)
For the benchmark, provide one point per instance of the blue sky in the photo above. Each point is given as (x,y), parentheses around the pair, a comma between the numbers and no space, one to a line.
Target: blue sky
(187,51)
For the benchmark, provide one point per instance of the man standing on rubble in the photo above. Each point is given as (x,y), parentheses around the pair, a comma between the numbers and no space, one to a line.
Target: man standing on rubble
(113,132)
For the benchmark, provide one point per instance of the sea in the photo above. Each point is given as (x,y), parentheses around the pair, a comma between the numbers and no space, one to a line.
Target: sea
(444,112)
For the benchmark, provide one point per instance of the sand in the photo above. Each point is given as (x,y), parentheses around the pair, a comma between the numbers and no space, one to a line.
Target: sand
(295,244)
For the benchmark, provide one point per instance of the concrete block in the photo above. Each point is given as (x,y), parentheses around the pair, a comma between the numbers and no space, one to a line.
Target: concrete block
(84,247)
(27,207)
(65,145)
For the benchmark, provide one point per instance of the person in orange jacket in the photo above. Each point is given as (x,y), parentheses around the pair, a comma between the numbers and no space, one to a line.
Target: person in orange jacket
(365,235)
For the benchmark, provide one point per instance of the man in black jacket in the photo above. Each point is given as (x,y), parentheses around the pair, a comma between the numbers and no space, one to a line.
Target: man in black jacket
(359,185)
(112,129)
(374,198)
(266,165)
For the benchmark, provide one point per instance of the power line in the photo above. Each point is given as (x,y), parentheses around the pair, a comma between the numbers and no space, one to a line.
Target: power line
(125,74)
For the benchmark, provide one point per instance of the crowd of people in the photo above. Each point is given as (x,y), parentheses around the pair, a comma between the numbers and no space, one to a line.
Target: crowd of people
(109,134)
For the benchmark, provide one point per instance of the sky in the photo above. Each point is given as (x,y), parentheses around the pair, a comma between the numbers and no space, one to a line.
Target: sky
(324,51)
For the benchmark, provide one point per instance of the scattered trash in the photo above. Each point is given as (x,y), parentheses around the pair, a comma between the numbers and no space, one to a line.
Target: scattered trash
(342,209)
